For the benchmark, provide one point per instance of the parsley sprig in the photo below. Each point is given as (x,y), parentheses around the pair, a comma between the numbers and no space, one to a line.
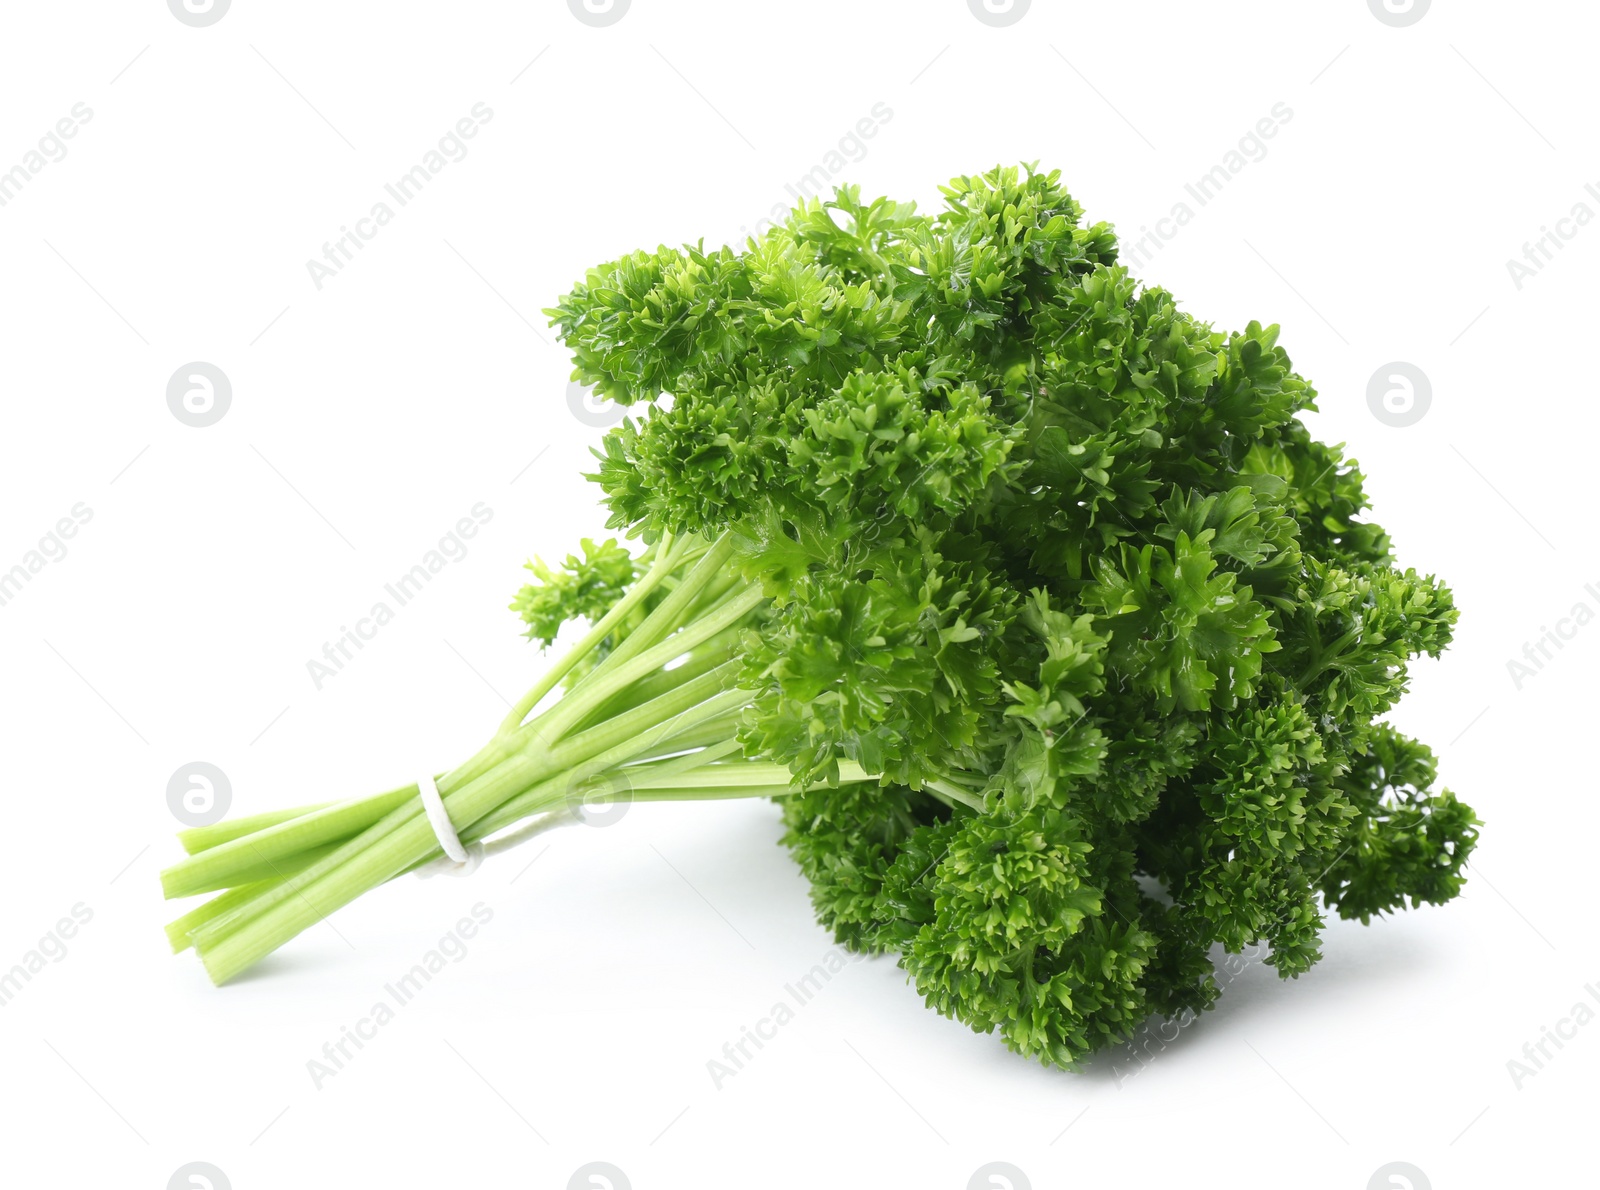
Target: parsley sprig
(1060,641)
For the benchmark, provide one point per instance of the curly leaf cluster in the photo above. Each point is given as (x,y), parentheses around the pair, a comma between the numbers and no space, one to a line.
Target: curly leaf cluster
(1057,561)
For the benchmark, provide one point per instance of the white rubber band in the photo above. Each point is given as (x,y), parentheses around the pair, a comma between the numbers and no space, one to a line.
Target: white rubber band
(463,859)
(439,818)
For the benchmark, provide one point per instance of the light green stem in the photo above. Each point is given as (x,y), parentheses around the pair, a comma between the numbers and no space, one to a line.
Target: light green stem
(629,723)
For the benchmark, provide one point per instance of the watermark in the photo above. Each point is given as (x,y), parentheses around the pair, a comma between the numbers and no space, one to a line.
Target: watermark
(199,394)
(337,1054)
(1537,1054)
(450,148)
(738,1054)
(52,547)
(1542,650)
(598,1175)
(1399,13)
(599,13)
(1250,149)
(592,410)
(999,13)
(51,148)
(1399,394)
(817,182)
(1152,1037)
(1539,253)
(1398,1175)
(199,1175)
(998,1175)
(199,794)
(600,801)
(50,949)
(199,13)
(451,548)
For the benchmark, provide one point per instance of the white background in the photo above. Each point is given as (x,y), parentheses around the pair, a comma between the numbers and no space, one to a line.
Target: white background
(369,415)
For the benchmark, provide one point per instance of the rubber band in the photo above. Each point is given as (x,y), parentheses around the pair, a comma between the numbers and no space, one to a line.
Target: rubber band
(457,860)
(462,859)
(439,818)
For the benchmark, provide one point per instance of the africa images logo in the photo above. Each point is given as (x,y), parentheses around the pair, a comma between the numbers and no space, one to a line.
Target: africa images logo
(999,13)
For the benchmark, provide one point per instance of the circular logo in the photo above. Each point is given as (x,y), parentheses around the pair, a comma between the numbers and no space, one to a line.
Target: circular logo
(199,394)
(602,801)
(199,13)
(999,13)
(1399,1175)
(1399,394)
(998,1175)
(199,794)
(598,1175)
(1399,13)
(599,13)
(592,410)
(199,1175)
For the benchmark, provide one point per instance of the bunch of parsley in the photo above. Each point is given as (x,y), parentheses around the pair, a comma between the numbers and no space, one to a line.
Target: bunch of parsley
(1058,637)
